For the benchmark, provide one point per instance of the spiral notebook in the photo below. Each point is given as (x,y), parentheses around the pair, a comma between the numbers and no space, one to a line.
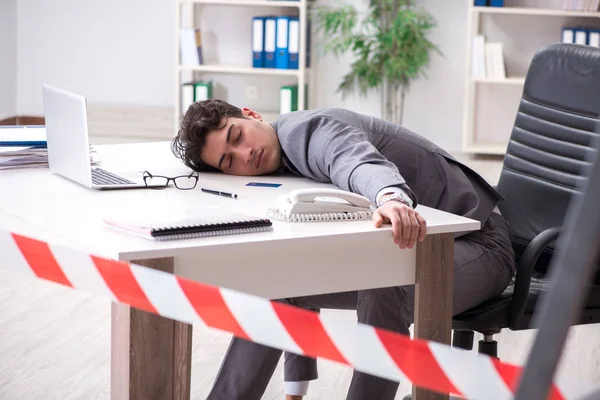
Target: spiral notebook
(177,225)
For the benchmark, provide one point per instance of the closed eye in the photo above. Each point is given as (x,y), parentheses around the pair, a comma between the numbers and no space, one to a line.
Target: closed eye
(239,138)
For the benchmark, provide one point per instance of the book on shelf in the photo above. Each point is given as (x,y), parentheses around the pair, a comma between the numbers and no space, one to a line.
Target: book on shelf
(495,61)
(282,56)
(487,60)
(478,68)
(276,42)
(288,98)
(161,225)
(581,5)
(192,92)
(269,44)
(258,41)
(488,3)
(579,35)
(191,47)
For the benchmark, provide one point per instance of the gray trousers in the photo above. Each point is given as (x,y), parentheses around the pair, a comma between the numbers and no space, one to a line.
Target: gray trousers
(483,268)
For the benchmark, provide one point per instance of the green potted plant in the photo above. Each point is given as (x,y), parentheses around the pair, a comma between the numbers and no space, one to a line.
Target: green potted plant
(390,47)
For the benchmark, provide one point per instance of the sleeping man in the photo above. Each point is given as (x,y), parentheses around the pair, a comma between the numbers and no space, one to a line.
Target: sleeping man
(390,165)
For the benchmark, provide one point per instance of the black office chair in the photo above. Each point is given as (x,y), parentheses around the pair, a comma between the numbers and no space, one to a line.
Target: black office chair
(555,123)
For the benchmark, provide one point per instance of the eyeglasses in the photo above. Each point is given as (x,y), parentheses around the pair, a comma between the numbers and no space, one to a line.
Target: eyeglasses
(182,182)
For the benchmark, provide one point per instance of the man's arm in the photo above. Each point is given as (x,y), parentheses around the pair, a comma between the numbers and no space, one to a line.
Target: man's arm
(393,193)
(344,153)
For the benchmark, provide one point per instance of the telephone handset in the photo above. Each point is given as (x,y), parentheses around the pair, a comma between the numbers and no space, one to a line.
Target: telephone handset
(321,204)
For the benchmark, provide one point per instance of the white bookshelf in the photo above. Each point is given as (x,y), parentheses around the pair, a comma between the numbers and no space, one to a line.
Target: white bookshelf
(301,76)
(232,69)
(506,81)
(250,3)
(534,11)
(502,95)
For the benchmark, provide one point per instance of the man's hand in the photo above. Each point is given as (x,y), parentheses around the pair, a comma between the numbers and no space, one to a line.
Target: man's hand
(407,225)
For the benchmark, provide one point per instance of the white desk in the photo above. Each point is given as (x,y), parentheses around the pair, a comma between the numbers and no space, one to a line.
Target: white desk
(150,354)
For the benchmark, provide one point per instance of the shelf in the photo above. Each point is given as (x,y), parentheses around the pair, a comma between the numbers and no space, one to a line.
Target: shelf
(483,148)
(506,81)
(250,3)
(226,69)
(535,11)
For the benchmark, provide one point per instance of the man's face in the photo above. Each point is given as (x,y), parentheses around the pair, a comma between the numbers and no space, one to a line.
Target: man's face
(243,146)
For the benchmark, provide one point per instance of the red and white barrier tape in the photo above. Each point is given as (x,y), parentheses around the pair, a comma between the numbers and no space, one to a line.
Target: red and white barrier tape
(374,351)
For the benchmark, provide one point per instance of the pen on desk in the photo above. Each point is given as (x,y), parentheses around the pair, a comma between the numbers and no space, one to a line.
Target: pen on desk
(219,193)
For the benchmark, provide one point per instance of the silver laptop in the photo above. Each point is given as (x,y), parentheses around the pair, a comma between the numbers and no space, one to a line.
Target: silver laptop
(68,143)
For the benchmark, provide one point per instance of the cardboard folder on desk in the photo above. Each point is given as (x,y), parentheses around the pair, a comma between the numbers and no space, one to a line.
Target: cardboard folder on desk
(19,136)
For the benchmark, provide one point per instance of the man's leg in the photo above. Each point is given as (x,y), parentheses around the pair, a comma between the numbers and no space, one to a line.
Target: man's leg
(383,308)
(245,372)
(248,367)
(483,267)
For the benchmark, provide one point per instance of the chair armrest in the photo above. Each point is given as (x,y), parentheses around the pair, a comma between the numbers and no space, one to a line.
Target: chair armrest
(524,270)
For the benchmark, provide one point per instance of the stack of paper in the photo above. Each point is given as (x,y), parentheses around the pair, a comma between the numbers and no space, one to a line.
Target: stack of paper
(23,147)
(12,157)
(23,157)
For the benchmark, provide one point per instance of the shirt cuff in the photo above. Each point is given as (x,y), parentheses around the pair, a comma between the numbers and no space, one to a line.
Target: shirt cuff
(389,189)
(296,388)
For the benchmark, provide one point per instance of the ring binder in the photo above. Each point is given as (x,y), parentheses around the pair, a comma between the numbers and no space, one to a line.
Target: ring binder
(223,232)
(193,224)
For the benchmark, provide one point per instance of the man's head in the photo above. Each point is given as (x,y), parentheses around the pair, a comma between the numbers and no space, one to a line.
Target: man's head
(215,135)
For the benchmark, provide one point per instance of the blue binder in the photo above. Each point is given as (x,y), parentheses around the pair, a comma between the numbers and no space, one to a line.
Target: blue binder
(258,42)
(497,3)
(270,36)
(581,36)
(23,136)
(293,42)
(568,35)
(282,46)
(480,3)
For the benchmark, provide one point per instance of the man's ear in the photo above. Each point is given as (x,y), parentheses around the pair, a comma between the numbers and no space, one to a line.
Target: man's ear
(251,114)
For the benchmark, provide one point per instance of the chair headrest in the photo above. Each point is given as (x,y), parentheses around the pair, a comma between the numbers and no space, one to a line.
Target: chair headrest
(565,70)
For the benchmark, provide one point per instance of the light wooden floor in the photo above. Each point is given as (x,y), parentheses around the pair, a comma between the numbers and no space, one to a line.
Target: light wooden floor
(55,342)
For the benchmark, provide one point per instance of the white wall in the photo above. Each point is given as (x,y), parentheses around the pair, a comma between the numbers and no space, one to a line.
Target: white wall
(112,51)
(434,105)
(122,53)
(8,58)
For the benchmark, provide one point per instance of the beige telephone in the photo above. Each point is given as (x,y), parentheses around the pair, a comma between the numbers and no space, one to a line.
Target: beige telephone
(304,205)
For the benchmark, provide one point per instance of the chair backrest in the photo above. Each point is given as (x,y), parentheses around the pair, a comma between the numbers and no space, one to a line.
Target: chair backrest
(551,138)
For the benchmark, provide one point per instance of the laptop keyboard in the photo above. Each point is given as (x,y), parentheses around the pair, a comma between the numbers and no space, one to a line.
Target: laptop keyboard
(103,177)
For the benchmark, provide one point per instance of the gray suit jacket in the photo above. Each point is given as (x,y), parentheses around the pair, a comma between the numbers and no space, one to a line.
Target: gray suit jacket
(364,154)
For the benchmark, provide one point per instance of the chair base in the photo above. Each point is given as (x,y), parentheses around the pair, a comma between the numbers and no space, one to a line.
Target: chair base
(463,339)
(409,397)
(489,347)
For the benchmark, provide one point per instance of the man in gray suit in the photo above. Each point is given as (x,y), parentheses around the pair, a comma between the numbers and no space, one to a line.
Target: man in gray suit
(391,166)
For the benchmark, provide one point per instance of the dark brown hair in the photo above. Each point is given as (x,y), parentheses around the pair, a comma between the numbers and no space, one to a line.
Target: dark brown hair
(199,120)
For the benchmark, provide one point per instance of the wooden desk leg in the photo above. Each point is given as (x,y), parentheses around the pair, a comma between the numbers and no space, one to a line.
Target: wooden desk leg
(433,296)
(150,355)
